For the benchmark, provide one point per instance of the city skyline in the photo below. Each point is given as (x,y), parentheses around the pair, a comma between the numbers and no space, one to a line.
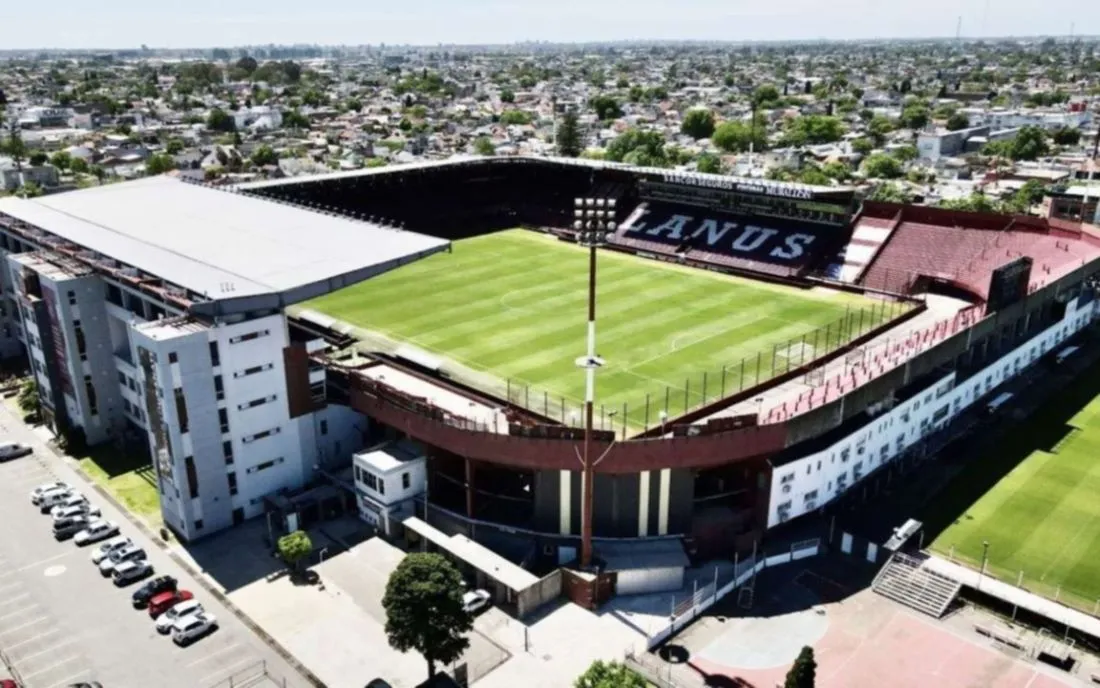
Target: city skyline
(202,24)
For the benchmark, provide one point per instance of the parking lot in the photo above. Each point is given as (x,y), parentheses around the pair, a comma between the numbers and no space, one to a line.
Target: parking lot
(61,621)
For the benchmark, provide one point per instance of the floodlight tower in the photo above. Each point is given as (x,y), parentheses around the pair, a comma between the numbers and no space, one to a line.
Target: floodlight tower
(594,220)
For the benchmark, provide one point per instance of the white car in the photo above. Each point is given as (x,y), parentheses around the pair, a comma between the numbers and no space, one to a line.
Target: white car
(51,498)
(97,530)
(182,610)
(36,493)
(104,550)
(78,509)
(13,450)
(128,553)
(188,629)
(129,571)
(475,600)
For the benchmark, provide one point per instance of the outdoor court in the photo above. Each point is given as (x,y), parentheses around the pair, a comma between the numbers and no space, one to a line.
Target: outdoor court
(860,640)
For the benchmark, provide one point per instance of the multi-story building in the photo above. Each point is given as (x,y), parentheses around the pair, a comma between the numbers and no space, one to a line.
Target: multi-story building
(155,309)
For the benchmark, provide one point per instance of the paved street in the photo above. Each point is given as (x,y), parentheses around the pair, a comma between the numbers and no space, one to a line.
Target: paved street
(60,621)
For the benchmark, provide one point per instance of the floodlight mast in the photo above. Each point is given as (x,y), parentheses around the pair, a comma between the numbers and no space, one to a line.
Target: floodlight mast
(594,220)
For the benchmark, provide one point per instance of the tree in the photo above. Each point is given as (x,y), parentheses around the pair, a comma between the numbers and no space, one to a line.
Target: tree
(698,123)
(424,612)
(353,104)
(78,166)
(295,120)
(914,116)
(515,117)
(294,547)
(890,193)
(264,155)
(957,121)
(906,153)
(878,128)
(638,147)
(247,64)
(735,136)
(1064,136)
(159,163)
(507,96)
(38,158)
(863,146)
(220,120)
(28,396)
(606,107)
(803,672)
(173,147)
(765,96)
(61,160)
(882,166)
(601,674)
(812,129)
(709,163)
(569,136)
(1030,143)
(814,176)
(483,146)
(836,170)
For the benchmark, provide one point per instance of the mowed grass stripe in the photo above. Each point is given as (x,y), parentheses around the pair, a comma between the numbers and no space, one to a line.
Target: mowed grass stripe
(514,304)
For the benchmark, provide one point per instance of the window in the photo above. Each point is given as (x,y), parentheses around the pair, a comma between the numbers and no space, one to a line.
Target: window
(81,345)
(89,390)
(324,427)
(262,435)
(406,482)
(215,359)
(173,357)
(256,402)
(381,486)
(122,379)
(219,389)
(227,450)
(232,477)
(198,524)
(192,477)
(181,410)
(370,480)
(72,298)
(249,337)
(265,465)
(223,419)
(253,370)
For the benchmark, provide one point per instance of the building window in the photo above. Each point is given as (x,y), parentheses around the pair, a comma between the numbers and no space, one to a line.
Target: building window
(324,427)
(223,419)
(198,524)
(173,357)
(232,484)
(122,379)
(219,389)
(215,359)
(181,410)
(406,482)
(381,486)
(262,435)
(81,344)
(256,402)
(72,298)
(265,465)
(249,337)
(227,449)
(253,370)
(192,477)
(89,390)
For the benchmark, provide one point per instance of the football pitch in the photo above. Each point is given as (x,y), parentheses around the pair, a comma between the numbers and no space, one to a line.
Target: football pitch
(1042,518)
(512,306)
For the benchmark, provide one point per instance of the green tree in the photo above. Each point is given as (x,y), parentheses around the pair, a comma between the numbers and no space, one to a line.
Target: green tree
(735,136)
(247,64)
(507,96)
(220,120)
(38,158)
(294,547)
(31,190)
(1064,136)
(814,176)
(61,160)
(803,672)
(812,129)
(159,163)
(878,128)
(424,612)
(264,155)
(765,96)
(906,153)
(638,147)
(606,107)
(174,146)
(483,146)
(601,674)
(890,193)
(698,123)
(28,396)
(709,163)
(882,166)
(515,117)
(78,166)
(1030,143)
(569,136)
(353,104)
(974,203)
(295,120)
(914,116)
(837,170)
(863,146)
(957,121)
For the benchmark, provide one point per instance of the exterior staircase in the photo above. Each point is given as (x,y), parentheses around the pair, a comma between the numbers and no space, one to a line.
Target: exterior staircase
(904,580)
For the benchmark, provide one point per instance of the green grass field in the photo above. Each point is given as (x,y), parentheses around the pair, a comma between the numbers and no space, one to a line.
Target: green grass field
(1043,516)
(512,305)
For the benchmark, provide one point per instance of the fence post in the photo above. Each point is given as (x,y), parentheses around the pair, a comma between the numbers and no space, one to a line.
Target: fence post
(647,411)
(705,386)
(667,392)
(687,391)
(722,390)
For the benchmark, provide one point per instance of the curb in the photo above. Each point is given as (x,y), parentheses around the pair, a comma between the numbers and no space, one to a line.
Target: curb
(200,578)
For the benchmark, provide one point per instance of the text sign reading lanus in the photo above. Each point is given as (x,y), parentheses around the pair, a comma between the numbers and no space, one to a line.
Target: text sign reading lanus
(735,185)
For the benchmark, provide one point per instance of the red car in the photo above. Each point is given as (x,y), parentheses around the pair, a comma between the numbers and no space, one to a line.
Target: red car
(166,600)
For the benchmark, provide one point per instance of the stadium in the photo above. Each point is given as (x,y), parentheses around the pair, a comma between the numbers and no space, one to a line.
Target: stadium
(765,349)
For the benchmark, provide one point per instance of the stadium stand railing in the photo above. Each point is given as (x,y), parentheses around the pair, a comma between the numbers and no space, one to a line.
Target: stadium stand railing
(904,579)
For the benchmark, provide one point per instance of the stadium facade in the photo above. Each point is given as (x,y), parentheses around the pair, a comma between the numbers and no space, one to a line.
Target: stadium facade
(132,289)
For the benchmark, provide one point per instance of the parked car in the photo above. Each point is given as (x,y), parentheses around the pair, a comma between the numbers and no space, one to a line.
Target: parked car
(188,629)
(128,553)
(36,493)
(97,530)
(378,683)
(142,595)
(166,600)
(475,600)
(78,507)
(13,450)
(52,498)
(86,684)
(103,551)
(8,683)
(65,528)
(183,609)
(129,571)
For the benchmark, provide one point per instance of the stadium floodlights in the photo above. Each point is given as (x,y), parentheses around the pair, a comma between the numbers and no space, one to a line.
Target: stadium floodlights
(594,214)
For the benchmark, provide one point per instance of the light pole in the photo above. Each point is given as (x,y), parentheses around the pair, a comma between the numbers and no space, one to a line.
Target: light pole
(985,557)
(594,220)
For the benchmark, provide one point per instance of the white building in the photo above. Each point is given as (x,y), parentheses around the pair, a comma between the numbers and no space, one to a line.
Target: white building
(388,479)
(155,309)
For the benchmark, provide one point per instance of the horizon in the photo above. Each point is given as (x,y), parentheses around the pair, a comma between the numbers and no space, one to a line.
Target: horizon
(201,25)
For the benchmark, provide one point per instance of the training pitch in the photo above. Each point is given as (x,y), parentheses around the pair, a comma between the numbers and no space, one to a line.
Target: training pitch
(513,305)
(1042,518)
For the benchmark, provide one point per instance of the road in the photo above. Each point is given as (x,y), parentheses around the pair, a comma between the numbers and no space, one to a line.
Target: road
(61,622)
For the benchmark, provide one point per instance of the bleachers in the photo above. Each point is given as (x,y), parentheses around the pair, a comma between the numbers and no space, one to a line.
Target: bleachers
(869,235)
(903,579)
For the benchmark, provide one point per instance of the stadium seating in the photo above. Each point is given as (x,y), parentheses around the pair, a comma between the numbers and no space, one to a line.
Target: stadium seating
(904,580)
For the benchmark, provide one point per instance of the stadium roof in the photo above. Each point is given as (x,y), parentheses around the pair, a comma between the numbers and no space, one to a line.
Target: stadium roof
(237,251)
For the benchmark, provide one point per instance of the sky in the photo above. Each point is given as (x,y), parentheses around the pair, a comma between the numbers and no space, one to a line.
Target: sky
(227,23)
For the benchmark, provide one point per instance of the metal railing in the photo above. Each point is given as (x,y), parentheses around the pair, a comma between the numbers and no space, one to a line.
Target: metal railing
(255,674)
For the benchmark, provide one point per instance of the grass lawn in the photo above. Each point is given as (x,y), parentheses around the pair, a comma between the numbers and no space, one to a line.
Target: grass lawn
(1040,510)
(129,478)
(512,306)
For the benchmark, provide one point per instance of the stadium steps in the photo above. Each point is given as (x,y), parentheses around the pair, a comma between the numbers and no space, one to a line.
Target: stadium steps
(904,580)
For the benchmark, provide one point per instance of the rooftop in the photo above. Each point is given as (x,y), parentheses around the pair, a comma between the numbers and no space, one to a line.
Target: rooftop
(227,247)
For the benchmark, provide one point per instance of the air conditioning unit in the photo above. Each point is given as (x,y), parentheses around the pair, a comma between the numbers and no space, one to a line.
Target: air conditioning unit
(786,489)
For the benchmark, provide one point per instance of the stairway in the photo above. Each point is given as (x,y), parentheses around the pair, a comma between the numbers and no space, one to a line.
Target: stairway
(904,580)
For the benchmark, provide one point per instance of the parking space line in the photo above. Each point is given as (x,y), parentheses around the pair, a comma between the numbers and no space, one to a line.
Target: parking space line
(21,643)
(51,667)
(48,560)
(16,584)
(51,648)
(226,671)
(22,626)
(13,599)
(212,655)
(17,612)
(69,679)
